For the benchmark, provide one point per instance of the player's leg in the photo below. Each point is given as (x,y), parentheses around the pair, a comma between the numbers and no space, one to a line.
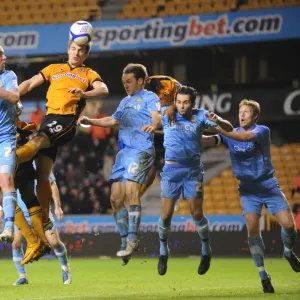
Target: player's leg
(136,167)
(26,187)
(61,253)
(193,192)
(44,166)
(33,242)
(31,148)
(18,255)
(252,207)
(148,181)
(120,213)
(171,186)
(164,224)
(278,205)
(288,235)
(257,249)
(7,170)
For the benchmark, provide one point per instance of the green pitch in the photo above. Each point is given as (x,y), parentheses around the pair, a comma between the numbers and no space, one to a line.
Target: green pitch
(106,279)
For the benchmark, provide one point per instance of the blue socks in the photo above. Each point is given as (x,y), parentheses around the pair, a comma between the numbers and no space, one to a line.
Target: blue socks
(203,231)
(289,239)
(61,253)
(9,208)
(18,256)
(134,222)
(121,219)
(257,249)
(163,230)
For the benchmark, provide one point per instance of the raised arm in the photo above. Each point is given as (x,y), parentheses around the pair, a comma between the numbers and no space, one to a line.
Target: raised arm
(241,136)
(223,124)
(11,95)
(56,199)
(99,90)
(156,123)
(29,84)
(107,122)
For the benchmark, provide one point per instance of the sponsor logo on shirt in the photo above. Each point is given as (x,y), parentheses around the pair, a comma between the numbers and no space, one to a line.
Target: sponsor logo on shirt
(249,148)
(68,74)
(182,127)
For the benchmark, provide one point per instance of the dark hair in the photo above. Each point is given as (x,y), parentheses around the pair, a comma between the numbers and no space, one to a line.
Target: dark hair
(138,70)
(188,90)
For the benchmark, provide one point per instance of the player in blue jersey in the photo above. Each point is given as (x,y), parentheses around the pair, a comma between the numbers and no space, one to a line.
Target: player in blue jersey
(183,172)
(137,116)
(9,96)
(249,147)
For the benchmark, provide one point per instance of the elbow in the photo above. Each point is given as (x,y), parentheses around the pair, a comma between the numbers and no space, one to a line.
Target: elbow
(104,92)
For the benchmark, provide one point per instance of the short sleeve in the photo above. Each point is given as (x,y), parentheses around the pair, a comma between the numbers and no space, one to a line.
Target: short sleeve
(153,103)
(118,113)
(262,134)
(93,76)
(46,72)
(207,122)
(224,140)
(11,81)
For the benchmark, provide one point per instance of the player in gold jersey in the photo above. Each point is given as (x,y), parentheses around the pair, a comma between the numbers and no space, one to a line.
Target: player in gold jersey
(70,84)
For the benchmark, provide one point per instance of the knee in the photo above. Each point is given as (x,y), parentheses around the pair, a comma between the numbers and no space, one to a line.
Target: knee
(7,183)
(116,201)
(197,214)
(41,140)
(289,226)
(16,245)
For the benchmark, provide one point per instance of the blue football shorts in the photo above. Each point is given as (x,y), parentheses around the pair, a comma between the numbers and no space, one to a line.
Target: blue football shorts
(8,156)
(255,195)
(182,180)
(131,164)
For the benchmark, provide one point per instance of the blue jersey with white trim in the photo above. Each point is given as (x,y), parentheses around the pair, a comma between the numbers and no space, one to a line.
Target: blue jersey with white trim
(8,81)
(133,113)
(182,139)
(251,161)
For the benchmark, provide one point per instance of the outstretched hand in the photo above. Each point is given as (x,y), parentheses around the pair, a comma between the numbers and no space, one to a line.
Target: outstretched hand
(211,116)
(83,120)
(148,128)
(77,92)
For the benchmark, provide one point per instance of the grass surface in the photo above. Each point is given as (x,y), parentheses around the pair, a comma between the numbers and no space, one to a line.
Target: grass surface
(106,279)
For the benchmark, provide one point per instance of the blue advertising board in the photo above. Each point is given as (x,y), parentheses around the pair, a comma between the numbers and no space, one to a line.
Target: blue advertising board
(183,31)
(106,224)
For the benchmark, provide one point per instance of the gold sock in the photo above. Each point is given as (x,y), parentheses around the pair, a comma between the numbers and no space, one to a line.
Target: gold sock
(35,214)
(23,226)
(26,152)
(44,195)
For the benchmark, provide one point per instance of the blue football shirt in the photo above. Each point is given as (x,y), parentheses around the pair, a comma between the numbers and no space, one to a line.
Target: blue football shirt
(8,81)
(182,139)
(133,113)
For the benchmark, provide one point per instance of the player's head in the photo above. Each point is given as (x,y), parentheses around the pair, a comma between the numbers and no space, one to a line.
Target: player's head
(2,60)
(249,111)
(133,78)
(78,54)
(185,100)
(165,87)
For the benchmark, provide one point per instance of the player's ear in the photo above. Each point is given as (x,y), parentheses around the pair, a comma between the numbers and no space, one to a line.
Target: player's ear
(141,81)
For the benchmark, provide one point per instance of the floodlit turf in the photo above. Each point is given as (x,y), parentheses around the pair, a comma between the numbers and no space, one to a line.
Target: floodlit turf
(106,279)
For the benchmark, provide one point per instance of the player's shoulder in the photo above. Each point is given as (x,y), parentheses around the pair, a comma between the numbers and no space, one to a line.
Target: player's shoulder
(262,129)
(148,94)
(199,112)
(9,74)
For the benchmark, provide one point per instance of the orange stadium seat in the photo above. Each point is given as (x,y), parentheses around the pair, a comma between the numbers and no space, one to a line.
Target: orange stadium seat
(47,11)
